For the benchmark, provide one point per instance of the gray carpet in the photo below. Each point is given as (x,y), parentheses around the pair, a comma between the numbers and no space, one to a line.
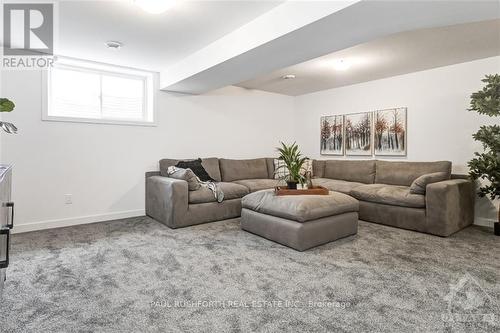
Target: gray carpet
(136,275)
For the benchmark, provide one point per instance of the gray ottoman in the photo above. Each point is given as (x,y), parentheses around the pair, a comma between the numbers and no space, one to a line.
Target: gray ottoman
(300,221)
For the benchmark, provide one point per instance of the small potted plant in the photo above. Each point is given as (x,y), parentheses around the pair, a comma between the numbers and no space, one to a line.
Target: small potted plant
(292,163)
(7,105)
(486,165)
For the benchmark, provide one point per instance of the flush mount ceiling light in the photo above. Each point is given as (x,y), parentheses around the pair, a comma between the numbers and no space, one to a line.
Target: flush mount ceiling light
(155,6)
(288,77)
(113,45)
(341,65)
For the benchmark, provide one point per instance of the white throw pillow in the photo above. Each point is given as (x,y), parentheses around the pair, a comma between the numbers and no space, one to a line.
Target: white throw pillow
(307,167)
(281,171)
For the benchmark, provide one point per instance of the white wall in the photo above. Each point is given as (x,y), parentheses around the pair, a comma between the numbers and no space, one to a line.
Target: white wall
(439,125)
(103,166)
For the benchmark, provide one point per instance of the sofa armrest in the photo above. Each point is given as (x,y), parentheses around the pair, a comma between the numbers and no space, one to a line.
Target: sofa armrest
(152,173)
(449,205)
(166,199)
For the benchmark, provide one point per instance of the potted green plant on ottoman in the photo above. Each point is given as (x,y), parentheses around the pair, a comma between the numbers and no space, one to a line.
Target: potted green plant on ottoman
(292,161)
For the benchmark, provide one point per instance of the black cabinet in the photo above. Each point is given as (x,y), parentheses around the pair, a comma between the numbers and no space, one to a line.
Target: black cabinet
(6,220)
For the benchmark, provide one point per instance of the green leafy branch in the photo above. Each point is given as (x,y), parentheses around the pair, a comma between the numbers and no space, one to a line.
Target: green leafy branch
(486,165)
(6,105)
(487,100)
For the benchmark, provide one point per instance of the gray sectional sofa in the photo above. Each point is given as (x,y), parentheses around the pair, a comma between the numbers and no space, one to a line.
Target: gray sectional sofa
(169,201)
(381,187)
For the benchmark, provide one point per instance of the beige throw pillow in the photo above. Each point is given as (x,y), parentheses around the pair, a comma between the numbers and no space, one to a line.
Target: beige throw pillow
(419,185)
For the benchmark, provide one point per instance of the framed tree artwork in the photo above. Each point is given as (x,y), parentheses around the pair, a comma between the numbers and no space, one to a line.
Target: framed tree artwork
(390,132)
(358,134)
(332,135)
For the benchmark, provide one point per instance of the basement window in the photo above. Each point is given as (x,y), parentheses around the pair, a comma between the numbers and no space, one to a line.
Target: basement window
(79,91)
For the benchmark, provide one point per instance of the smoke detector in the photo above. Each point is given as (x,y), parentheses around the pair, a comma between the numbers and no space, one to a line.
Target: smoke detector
(113,45)
(288,77)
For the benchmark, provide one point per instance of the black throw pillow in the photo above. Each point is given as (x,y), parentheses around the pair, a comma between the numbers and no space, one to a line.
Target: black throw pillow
(197,168)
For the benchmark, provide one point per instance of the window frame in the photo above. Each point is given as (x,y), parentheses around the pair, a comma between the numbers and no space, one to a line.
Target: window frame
(149,80)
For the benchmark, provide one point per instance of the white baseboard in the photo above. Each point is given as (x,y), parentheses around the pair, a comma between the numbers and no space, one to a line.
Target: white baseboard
(482,221)
(50,224)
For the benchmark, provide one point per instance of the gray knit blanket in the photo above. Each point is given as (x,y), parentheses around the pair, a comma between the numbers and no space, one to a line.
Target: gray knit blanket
(212,186)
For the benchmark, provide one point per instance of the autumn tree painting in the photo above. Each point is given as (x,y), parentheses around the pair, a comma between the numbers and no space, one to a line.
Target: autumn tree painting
(390,132)
(358,134)
(332,135)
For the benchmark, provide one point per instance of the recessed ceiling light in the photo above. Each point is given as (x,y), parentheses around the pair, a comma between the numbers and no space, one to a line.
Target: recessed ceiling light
(341,65)
(155,6)
(288,77)
(113,45)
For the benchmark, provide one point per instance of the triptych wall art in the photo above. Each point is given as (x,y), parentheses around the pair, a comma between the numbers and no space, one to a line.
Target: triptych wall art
(381,132)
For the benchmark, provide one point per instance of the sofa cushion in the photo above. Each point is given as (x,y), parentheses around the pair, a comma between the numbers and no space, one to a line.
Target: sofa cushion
(318,168)
(404,173)
(299,208)
(231,191)
(243,169)
(259,184)
(419,185)
(341,186)
(362,171)
(210,164)
(389,195)
(270,167)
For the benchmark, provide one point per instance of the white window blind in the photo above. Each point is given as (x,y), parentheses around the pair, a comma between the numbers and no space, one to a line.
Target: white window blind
(96,95)
(122,98)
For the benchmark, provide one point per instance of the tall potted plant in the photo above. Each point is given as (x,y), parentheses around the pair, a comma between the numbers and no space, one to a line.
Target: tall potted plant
(7,105)
(292,162)
(486,165)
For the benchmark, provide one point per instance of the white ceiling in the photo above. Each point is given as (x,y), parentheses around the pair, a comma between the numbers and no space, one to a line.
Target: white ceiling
(150,41)
(397,54)
(203,45)
(295,32)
